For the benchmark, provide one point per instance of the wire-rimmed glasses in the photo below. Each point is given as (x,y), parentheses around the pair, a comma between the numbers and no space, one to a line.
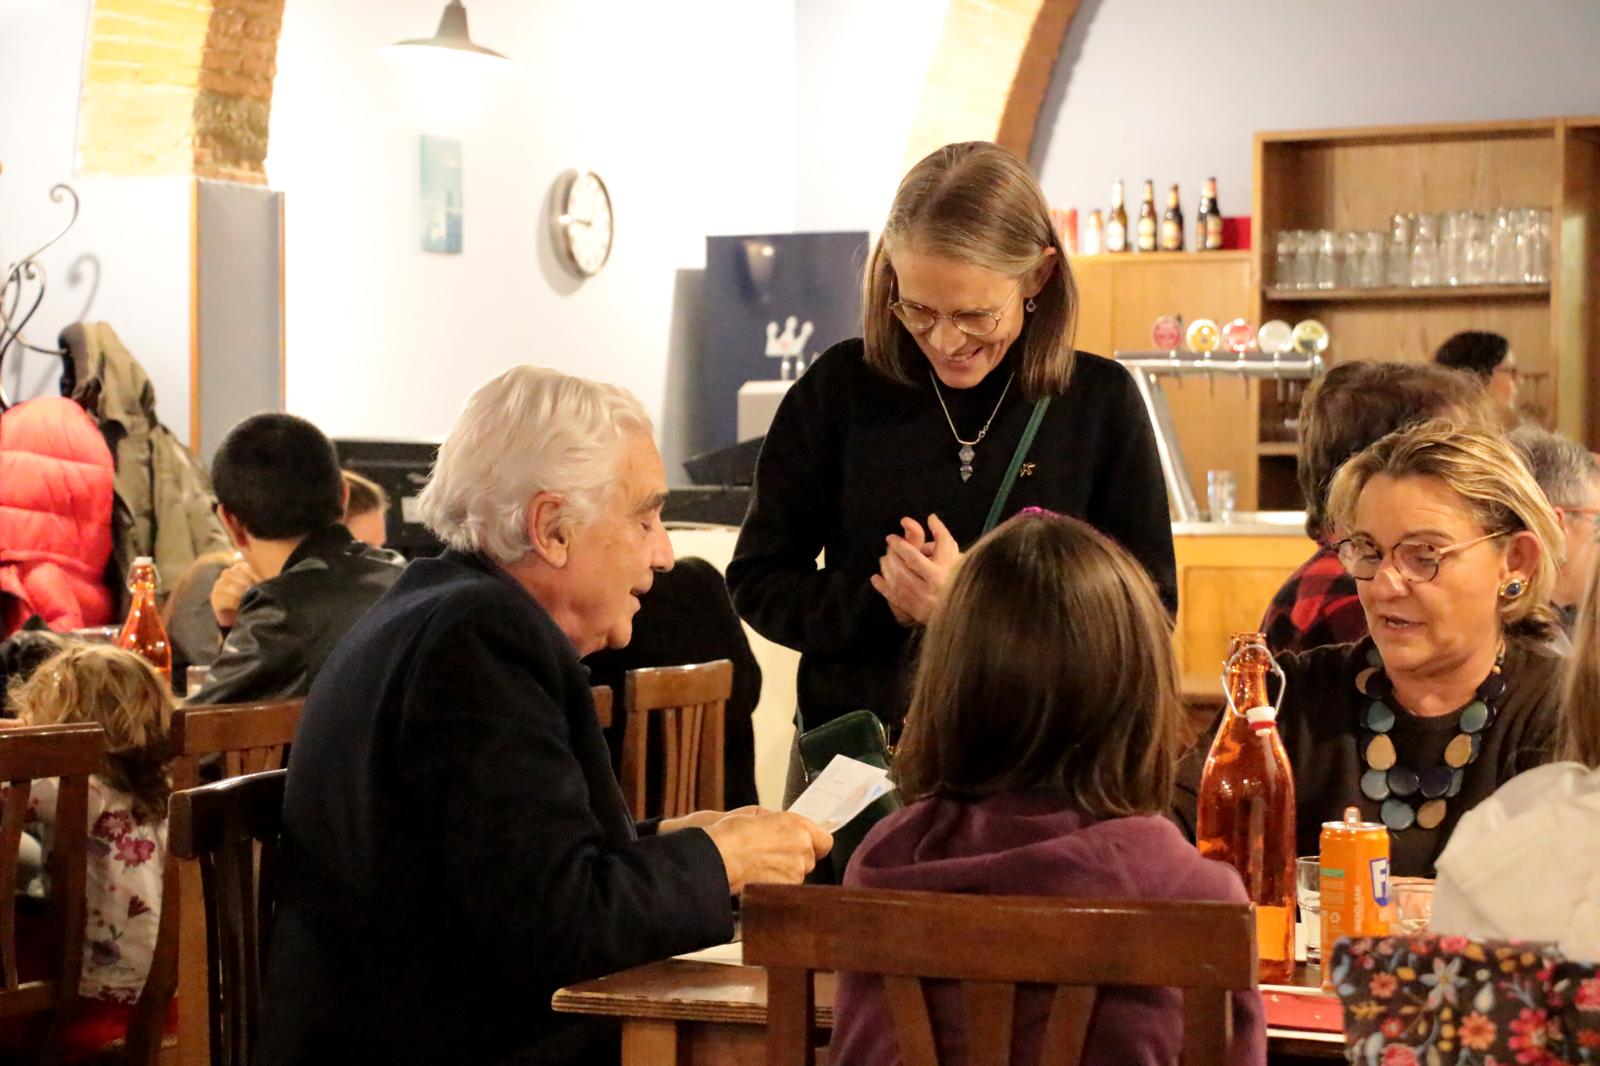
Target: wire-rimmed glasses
(1414,560)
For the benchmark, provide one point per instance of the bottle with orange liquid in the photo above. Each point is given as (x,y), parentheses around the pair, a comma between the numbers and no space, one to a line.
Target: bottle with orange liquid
(142,633)
(1246,803)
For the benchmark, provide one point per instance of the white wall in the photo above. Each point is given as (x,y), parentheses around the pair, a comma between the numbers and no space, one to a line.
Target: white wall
(131,241)
(859,69)
(1174,90)
(686,111)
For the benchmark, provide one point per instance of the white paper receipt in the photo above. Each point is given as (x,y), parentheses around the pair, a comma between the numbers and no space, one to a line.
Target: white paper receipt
(842,791)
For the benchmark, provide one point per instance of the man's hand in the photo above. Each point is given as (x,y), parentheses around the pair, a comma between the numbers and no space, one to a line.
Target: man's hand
(913,570)
(701,819)
(762,847)
(230,588)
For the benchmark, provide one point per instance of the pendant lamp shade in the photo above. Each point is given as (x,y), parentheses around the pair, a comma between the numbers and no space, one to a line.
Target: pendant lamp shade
(452,34)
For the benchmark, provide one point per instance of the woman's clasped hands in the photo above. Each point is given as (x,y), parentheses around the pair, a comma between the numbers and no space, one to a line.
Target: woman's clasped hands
(915,567)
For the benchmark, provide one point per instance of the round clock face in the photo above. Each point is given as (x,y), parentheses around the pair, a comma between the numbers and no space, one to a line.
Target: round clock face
(584,228)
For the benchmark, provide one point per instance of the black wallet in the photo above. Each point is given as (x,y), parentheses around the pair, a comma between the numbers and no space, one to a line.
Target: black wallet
(859,735)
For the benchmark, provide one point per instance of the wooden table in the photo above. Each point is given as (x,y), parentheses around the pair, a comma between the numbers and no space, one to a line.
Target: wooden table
(684,1013)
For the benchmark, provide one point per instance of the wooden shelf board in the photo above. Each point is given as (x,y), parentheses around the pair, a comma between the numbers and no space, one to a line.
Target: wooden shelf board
(1408,295)
(1513,128)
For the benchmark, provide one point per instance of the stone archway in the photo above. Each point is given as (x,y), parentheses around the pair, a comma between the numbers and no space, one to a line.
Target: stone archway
(989,74)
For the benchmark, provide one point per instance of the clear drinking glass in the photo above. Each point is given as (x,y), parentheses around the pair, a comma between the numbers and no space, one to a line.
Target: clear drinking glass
(1544,243)
(1373,246)
(1308,894)
(1220,495)
(1288,250)
(1397,265)
(1413,903)
(1503,248)
(1452,239)
(1305,260)
(1476,268)
(1349,270)
(1327,259)
(1425,251)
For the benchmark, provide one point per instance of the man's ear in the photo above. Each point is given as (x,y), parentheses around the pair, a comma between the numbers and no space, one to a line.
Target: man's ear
(547,529)
(236,531)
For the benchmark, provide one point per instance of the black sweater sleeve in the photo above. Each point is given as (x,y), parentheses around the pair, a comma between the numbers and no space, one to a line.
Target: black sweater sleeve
(1129,501)
(777,584)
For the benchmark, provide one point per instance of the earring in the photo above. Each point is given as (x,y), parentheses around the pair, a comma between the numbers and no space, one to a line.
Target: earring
(1030,304)
(1512,589)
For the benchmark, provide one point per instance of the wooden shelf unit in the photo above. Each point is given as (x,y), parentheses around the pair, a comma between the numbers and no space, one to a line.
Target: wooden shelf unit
(1357,179)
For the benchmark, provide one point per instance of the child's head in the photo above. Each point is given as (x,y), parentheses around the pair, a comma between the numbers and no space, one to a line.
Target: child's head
(122,694)
(1048,668)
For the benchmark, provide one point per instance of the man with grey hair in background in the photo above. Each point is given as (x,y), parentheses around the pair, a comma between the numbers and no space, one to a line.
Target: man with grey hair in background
(455,845)
(1570,478)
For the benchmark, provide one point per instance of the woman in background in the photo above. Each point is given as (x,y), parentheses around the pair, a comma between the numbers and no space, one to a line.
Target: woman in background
(1038,758)
(1488,357)
(366,509)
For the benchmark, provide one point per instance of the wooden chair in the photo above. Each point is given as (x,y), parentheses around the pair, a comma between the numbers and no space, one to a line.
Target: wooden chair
(690,703)
(69,753)
(603,700)
(990,944)
(229,831)
(249,738)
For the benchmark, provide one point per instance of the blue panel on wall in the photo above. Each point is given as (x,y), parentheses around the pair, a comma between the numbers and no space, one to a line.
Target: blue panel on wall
(754,285)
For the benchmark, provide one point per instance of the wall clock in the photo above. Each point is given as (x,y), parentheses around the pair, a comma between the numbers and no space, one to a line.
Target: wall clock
(581,222)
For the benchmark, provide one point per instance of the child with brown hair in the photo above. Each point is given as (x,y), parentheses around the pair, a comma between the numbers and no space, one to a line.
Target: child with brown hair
(119,692)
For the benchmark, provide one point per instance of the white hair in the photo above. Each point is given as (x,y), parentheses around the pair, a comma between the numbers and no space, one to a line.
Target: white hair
(528,431)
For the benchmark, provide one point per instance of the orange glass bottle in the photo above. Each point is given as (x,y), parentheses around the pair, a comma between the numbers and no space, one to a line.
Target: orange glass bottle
(1246,804)
(142,633)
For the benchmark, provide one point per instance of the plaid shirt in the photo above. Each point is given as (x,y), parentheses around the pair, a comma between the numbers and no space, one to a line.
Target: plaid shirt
(1316,606)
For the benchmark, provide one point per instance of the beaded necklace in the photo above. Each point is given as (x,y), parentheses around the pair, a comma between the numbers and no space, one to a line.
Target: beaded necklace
(1410,796)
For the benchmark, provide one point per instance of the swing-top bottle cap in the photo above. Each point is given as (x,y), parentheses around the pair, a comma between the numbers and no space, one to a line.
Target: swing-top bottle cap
(1261,718)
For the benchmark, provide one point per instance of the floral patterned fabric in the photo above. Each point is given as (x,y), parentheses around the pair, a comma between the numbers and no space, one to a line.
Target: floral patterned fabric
(1451,1001)
(1576,996)
(123,888)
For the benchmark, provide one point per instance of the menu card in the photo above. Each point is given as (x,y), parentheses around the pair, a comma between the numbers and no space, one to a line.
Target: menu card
(843,790)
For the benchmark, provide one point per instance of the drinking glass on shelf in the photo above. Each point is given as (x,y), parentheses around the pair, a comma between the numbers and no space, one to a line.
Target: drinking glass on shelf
(1369,274)
(1308,894)
(1397,264)
(1349,269)
(1305,261)
(1475,264)
(1327,259)
(1288,249)
(1425,251)
(1503,248)
(1544,242)
(1220,495)
(1452,237)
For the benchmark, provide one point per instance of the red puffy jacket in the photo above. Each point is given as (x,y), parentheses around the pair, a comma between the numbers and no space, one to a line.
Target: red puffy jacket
(55,516)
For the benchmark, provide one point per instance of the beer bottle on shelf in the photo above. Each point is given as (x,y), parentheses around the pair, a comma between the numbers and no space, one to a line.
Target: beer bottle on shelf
(1147,218)
(1094,234)
(1172,223)
(142,632)
(1246,810)
(1208,223)
(1117,221)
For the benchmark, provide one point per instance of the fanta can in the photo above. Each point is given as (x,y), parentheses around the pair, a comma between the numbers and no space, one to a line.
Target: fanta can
(1354,882)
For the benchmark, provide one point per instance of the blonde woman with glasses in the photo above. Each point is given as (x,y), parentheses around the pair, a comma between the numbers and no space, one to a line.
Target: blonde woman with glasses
(963,403)
(1525,864)
(1454,550)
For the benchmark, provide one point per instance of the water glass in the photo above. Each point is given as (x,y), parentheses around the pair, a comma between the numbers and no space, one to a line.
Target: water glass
(1288,249)
(1503,248)
(1220,495)
(1397,260)
(1327,275)
(1475,263)
(1349,271)
(1425,251)
(1308,894)
(1413,903)
(1452,240)
(1371,272)
(1305,262)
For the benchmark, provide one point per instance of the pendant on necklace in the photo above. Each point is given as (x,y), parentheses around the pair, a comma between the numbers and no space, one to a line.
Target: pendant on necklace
(965,455)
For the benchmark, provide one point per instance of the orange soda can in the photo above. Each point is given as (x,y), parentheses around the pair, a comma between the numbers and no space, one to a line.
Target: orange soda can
(1354,882)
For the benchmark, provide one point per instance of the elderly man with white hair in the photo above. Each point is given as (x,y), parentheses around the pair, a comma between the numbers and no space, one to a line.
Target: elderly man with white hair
(1569,475)
(456,847)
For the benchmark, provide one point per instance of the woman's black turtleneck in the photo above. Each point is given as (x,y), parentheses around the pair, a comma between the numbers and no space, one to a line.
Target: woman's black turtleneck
(850,452)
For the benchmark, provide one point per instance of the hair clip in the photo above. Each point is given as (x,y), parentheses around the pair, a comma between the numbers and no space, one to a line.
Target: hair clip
(1040,512)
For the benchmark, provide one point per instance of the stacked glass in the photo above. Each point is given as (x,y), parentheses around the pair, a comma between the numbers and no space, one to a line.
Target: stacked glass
(1507,246)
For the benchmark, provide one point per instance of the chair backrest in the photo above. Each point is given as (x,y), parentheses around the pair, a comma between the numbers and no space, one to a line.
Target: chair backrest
(247,738)
(603,700)
(68,753)
(231,831)
(990,944)
(690,703)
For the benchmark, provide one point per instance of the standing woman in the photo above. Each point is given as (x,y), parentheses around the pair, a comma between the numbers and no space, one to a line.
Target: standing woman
(890,455)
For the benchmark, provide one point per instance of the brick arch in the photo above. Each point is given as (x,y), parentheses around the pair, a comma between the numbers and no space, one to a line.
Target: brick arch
(989,74)
(179,87)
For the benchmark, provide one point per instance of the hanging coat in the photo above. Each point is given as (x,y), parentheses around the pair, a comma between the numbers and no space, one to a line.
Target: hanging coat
(55,516)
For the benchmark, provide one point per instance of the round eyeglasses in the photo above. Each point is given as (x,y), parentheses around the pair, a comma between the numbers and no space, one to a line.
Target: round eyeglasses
(972,322)
(1413,560)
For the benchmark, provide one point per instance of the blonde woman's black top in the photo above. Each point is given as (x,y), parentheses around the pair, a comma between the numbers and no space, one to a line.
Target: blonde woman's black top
(850,453)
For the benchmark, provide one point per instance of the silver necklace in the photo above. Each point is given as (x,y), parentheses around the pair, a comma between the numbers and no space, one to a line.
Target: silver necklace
(966,453)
